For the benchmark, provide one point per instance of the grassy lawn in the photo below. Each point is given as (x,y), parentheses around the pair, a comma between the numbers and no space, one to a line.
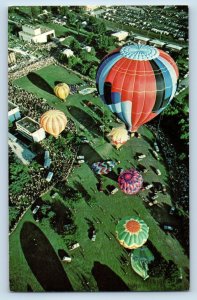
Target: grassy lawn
(61,30)
(103,210)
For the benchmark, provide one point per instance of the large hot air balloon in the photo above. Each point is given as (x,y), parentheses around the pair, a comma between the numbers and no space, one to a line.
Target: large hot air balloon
(119,136)
(62,90)
(132,232)
(137,82)
(130,181)
(53,122)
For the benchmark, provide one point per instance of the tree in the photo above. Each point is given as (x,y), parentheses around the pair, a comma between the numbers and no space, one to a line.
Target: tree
(83,55)
(71,17)
(75,45)
(73,60)
(92,72)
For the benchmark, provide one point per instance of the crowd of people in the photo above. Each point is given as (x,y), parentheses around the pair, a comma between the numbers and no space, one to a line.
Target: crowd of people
(179,175)
(29,104)
(61,166)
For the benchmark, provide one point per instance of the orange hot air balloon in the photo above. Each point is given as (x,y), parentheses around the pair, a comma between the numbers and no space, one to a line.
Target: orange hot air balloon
(53,122)
(62,90)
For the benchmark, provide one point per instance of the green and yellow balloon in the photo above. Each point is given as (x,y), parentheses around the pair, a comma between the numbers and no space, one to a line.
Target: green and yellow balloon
(132,232)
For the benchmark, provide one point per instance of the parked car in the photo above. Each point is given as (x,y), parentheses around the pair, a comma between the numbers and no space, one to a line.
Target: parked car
(93,238)
(155,154)
(35,210)
(80,157)
(158,172)
(66,259)
(74,246)
(140,157)
(154,197)
(172,210)
(84,140)
(148,187)
(81,161)
(115,190)
(168,228)
(156,147)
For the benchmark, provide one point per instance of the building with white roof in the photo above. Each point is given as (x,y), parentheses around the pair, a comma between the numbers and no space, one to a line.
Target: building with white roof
(30,129)
(87,48)
(36,34)
(13,112)
(120,35)
(68,52)
(141,39)
(157,43)
(174,47)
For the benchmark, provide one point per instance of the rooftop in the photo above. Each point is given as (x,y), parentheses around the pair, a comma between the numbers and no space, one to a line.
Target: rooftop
(11,106)
(29,124)
(139,37)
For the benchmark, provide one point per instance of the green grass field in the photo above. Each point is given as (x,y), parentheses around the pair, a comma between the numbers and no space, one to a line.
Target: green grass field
(102,256)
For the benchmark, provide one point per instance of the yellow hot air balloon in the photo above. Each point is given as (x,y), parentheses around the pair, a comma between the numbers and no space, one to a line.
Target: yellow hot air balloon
(119,136)
(53,122)
(62,90)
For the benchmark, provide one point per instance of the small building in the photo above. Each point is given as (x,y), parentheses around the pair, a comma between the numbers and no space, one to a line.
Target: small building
(120,35)
(11,58)
(174,48)
(20,149)
(30,129)
(36,34)
(68,52)
(91,7)
(141,39)
(87,48)
(157,43)
(13,112)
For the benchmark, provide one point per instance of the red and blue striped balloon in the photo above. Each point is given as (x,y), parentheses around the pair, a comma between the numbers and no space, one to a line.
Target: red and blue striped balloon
(137,82)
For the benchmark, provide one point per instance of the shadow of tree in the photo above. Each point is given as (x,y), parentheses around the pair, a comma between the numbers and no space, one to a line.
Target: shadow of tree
(42,259)
(106,279)
(38,81)
(29,288)
(86,120)
(82,190)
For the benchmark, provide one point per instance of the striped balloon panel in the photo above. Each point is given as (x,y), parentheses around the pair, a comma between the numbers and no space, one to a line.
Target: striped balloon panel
(130,182)
(131,240)
(53,122)
(137,90)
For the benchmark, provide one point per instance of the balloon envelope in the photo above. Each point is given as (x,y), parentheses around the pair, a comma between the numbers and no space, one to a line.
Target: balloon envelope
(62,90)
(132,232)
(53,122)
(103,167)
(140,258)
(119,136)
(130,181)
(137,82)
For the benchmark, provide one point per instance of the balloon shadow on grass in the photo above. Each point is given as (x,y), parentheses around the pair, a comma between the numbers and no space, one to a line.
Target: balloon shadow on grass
(92,156)
(86,120)
(38,81)
(106,279)
(42,259)
(57,82)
